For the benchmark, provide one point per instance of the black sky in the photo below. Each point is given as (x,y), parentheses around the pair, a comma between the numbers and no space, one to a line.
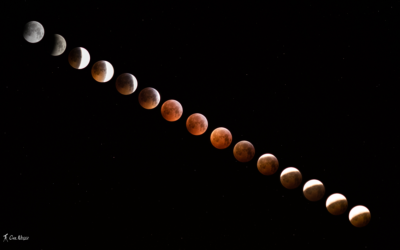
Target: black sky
(314,84)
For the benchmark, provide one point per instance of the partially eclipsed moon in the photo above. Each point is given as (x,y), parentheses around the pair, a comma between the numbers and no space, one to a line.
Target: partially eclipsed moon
(79,58)
(221,138)
(244,151)
(336,204)
(149,98)
(267,164)
(359,216)
(126,84)
(102,71)
(171,110)
(291,178)
(58,45)
(196,124)
(314,190)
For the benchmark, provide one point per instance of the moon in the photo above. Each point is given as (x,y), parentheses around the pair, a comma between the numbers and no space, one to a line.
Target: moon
(79,58)
(267,164)
(221,138)
(291,178)
(33,32)
(196,124)
(171,110)
(102,71)
(314,190)
(58,45)
(149,98)
(336,204)
(126,84)
(244,151)
(359,216)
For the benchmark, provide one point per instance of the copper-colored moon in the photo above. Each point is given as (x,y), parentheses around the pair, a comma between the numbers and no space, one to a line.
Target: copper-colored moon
(244,151)
(267,164)
(313,190)
(359,216)
(221,138)
(149,98)
(336,204)
(171,110)
(126,84)
(291,178)
(196,124)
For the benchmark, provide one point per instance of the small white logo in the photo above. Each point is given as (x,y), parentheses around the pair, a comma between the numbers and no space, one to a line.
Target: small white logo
(11,237)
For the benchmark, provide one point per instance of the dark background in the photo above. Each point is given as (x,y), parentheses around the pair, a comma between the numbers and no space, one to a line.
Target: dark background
(313,84)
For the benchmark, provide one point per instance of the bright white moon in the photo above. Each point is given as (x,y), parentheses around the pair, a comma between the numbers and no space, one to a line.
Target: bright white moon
(33,32)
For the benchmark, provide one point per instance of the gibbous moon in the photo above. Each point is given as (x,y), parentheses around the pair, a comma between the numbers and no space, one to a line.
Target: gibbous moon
(267,164)
(79,58)
(149,98)
(58,45)
(336,204)
(359,216)
(291,178)
(102,71)
(196,124)
(244,151)
(33,32)
(171,110)
(221,138)
(314,190)
(126,84)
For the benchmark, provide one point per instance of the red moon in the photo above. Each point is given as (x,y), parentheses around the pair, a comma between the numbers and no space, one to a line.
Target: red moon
(267,164)
(196,124)
(221,138)
(171,110)
(291,178)
(244,151)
